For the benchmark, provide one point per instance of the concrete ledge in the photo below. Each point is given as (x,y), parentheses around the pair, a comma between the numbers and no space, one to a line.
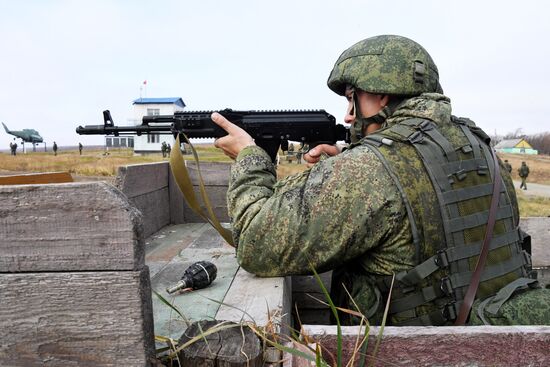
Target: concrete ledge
(443,346)
(265,301)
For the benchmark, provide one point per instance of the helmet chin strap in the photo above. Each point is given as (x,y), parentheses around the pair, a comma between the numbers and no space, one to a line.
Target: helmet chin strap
(361,123)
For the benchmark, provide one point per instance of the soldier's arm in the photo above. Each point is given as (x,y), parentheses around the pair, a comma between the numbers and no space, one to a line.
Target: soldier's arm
(321,218)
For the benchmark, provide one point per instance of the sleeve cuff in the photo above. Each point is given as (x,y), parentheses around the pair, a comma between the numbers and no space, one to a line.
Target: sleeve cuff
(252,150)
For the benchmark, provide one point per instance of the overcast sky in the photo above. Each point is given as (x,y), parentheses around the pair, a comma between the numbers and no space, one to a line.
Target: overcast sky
(63,62)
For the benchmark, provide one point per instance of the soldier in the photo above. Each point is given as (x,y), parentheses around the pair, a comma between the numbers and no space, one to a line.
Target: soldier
(290,153)
(508,166)
(523,172)
(54,148)
(80,146)
(410,196)
(168,149)
(163,149)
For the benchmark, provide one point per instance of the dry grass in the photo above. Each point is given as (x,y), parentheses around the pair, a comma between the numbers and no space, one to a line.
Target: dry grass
(94,163)
(533,206)
(539,166)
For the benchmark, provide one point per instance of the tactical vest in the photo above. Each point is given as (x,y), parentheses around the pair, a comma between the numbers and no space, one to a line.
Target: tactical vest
(445,177)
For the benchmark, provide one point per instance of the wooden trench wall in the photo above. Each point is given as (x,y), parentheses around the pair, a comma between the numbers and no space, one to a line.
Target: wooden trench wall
(74,289)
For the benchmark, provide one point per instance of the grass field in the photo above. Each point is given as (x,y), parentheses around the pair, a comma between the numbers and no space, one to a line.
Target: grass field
(93,164)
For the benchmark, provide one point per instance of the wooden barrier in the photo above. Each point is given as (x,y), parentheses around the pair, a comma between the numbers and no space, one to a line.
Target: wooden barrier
(146,186)
(73,284)
(36,178)
(151,188)
(216,180)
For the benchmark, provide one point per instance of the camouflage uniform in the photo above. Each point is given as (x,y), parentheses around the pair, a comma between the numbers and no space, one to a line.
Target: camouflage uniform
(290,152)
(347,213)
(508,166)
(523,172)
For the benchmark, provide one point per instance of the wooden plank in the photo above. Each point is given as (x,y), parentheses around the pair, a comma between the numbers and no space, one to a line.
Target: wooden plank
(309,300)
(177,201)
(213,173)
(539,229)
(308,283)
(76,319)
(261,300)
(36,178)
(140,179)
(197,305)
(433,346)
(216,179)
(312,317)
(235,347)
(218,200)
(155,209)
(71,226)
(167,243)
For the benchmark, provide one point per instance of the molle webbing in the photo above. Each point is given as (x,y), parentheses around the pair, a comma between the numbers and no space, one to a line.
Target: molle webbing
(460,169)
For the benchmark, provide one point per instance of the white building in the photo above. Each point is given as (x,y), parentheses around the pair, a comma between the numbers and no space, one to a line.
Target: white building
(152,107)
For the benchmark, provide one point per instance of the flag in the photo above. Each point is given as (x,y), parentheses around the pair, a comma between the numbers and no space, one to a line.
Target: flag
(145,82)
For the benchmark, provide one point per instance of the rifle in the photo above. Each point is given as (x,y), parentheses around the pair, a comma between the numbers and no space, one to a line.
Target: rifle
(269,129)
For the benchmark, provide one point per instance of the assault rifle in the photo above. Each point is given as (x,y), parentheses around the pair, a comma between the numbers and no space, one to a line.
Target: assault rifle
(269,129)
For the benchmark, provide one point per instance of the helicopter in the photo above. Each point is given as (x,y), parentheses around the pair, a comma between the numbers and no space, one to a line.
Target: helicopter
(26,135)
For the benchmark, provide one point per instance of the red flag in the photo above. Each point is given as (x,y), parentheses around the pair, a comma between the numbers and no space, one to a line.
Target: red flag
(144,82)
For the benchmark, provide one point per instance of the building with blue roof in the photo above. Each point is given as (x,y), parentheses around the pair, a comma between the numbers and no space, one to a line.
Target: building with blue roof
(177,101)
(148,143)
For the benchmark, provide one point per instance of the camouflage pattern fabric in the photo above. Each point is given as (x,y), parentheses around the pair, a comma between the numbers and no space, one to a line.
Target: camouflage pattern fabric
(324,218)
(523,171)
(508,166)
(526,307)
(344,214)
(385,64)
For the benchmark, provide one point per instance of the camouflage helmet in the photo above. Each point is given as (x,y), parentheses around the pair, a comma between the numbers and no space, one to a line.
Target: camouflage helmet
(385,64)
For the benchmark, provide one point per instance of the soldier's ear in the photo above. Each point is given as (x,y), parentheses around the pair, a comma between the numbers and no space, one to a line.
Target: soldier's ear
(384,100)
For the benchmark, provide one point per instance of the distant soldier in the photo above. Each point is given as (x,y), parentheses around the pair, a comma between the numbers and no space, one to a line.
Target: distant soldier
(508,166)
(168,149)
(302,150)
(523,172)
(11,149)
(163,149)
(54,148)
(80,148)
(290,152)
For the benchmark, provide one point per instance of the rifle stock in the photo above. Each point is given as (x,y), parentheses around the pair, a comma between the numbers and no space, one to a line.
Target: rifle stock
(269,129)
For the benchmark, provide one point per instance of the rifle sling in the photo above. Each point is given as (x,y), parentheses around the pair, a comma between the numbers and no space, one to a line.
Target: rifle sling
(469,298)
(181,175)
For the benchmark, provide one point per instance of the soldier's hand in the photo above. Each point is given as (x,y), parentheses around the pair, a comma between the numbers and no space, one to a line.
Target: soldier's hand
(236,140)
(316,154)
